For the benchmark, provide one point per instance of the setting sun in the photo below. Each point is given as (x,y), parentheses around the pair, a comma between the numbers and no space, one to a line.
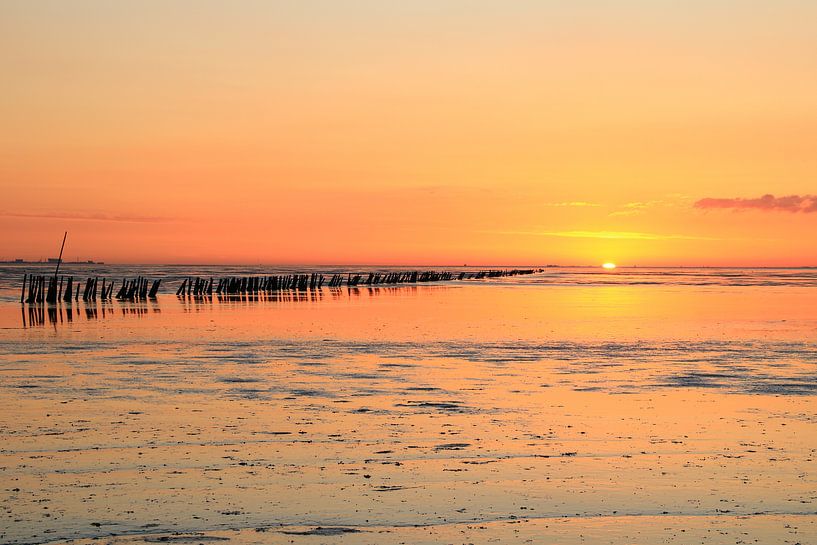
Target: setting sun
(609,266)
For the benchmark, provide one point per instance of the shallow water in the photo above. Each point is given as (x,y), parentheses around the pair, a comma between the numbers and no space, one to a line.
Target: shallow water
(171,275)
(510,410)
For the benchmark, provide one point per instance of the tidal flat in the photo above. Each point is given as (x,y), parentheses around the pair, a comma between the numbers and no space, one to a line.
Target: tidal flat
(506,412)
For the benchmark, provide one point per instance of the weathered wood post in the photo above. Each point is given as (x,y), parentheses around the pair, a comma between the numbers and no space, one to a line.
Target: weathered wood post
(154,289)
(68,287)
(51,293)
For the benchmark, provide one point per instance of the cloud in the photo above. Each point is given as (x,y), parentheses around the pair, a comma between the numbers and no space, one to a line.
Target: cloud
(85,216)
(640,207)
(620,213)
(573,204)
(610,235)
(634,208)
(769,203)
(630,235)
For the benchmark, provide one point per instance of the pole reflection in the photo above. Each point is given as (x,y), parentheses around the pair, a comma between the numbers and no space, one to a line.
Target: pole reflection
(62,313)
(66,313)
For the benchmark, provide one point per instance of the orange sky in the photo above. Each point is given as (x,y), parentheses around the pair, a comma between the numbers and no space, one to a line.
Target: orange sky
(440,132)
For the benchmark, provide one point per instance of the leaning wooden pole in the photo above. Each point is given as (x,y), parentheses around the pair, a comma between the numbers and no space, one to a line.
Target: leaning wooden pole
(52,286)
(59,260)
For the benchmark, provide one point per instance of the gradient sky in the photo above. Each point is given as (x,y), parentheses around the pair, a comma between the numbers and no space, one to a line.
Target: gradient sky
(424,132)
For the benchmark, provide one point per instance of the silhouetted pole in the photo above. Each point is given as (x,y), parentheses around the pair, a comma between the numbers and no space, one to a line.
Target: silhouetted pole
(52,296)
(59,260)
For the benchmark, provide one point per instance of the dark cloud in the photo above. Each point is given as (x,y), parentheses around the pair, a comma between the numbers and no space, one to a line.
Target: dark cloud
(791,203)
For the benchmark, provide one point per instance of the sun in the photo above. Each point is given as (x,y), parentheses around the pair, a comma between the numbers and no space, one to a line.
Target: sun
(609,266)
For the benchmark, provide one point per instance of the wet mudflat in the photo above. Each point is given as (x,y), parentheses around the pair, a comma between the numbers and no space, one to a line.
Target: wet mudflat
(509,413)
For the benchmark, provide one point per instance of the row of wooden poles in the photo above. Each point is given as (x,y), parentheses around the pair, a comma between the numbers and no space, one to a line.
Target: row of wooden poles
(250,284)
(50,289)
(373,279)
(236,285)
(497,273)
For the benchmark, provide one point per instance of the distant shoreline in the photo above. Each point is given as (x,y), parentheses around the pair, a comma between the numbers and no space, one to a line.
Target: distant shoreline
(50,261)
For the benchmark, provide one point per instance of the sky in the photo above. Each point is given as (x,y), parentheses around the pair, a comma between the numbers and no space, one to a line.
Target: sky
(431,132)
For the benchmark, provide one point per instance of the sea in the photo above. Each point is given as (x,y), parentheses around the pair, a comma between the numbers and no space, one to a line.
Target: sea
(573,405)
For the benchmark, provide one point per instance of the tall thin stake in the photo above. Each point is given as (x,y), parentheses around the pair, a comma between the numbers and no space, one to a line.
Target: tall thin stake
(59,261)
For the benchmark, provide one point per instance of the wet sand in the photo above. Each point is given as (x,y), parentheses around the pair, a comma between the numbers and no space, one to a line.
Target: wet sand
(486,413)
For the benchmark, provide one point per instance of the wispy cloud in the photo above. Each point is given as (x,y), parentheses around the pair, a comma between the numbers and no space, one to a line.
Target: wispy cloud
(769,203)
(635,208)
(613,235)
(85,216)
(577,204)
(624,235)
(640,207)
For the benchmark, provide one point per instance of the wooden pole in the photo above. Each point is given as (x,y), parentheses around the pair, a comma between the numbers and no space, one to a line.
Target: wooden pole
(59,260)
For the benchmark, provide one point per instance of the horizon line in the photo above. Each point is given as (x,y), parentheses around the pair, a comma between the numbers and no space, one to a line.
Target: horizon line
(421,265)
